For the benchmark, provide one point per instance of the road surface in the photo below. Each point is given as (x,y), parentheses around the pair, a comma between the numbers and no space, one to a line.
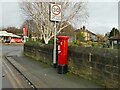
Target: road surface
(10,77)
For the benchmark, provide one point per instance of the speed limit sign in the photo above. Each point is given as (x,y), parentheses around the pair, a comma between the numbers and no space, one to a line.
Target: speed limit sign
(55,12)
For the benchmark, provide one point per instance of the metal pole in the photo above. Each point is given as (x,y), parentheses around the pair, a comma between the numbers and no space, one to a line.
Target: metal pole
(54,52)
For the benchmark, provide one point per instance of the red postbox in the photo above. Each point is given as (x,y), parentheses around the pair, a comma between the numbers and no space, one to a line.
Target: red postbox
(62,54)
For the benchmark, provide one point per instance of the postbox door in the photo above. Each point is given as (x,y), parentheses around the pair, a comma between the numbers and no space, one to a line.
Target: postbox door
(60,51)
(65,46)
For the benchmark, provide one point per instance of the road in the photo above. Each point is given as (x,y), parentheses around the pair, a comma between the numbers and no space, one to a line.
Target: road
(11,78)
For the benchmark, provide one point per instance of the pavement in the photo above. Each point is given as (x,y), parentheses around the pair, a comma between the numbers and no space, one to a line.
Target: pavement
(44,76)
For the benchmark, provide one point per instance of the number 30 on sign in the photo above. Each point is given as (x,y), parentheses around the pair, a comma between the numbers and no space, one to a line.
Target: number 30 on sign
(55,12)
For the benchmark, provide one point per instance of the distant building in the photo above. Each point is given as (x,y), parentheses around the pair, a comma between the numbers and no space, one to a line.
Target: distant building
(89,36)
(9,37)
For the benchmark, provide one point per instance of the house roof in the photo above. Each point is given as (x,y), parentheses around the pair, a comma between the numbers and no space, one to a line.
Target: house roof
(5,33)
(90,32)
(117,37)
(78,30)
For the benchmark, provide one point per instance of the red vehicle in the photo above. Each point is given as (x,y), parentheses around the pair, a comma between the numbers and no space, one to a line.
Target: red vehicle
(17,40)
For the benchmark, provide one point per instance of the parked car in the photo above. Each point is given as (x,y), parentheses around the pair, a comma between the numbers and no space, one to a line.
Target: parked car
(12,40)
(18,40)
(7,41)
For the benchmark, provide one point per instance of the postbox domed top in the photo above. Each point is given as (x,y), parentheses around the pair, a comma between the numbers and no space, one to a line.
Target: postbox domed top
(62,37)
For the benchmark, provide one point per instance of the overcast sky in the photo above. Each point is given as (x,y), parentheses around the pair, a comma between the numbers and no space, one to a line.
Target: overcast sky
(102,16)
(11,14)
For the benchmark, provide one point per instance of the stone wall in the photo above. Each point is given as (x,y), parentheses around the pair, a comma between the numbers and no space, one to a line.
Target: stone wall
(42,53)
(97,64)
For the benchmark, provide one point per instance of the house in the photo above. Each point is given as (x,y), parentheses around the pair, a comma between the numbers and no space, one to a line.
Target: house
(115,41)
(88,35)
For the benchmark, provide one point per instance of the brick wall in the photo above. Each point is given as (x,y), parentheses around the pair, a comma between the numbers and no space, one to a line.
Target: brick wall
(99,65)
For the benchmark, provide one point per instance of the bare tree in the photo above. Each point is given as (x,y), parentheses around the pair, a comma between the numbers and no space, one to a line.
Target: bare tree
(72,12)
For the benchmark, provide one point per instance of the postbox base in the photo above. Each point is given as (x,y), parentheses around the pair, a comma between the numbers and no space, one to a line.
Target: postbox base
(62,69)
(54,65)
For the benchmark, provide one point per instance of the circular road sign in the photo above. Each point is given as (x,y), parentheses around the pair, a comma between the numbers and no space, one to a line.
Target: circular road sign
(56,9)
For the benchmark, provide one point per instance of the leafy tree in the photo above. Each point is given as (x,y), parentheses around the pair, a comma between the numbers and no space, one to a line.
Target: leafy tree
(113,32)
(100,38)
(80,36)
